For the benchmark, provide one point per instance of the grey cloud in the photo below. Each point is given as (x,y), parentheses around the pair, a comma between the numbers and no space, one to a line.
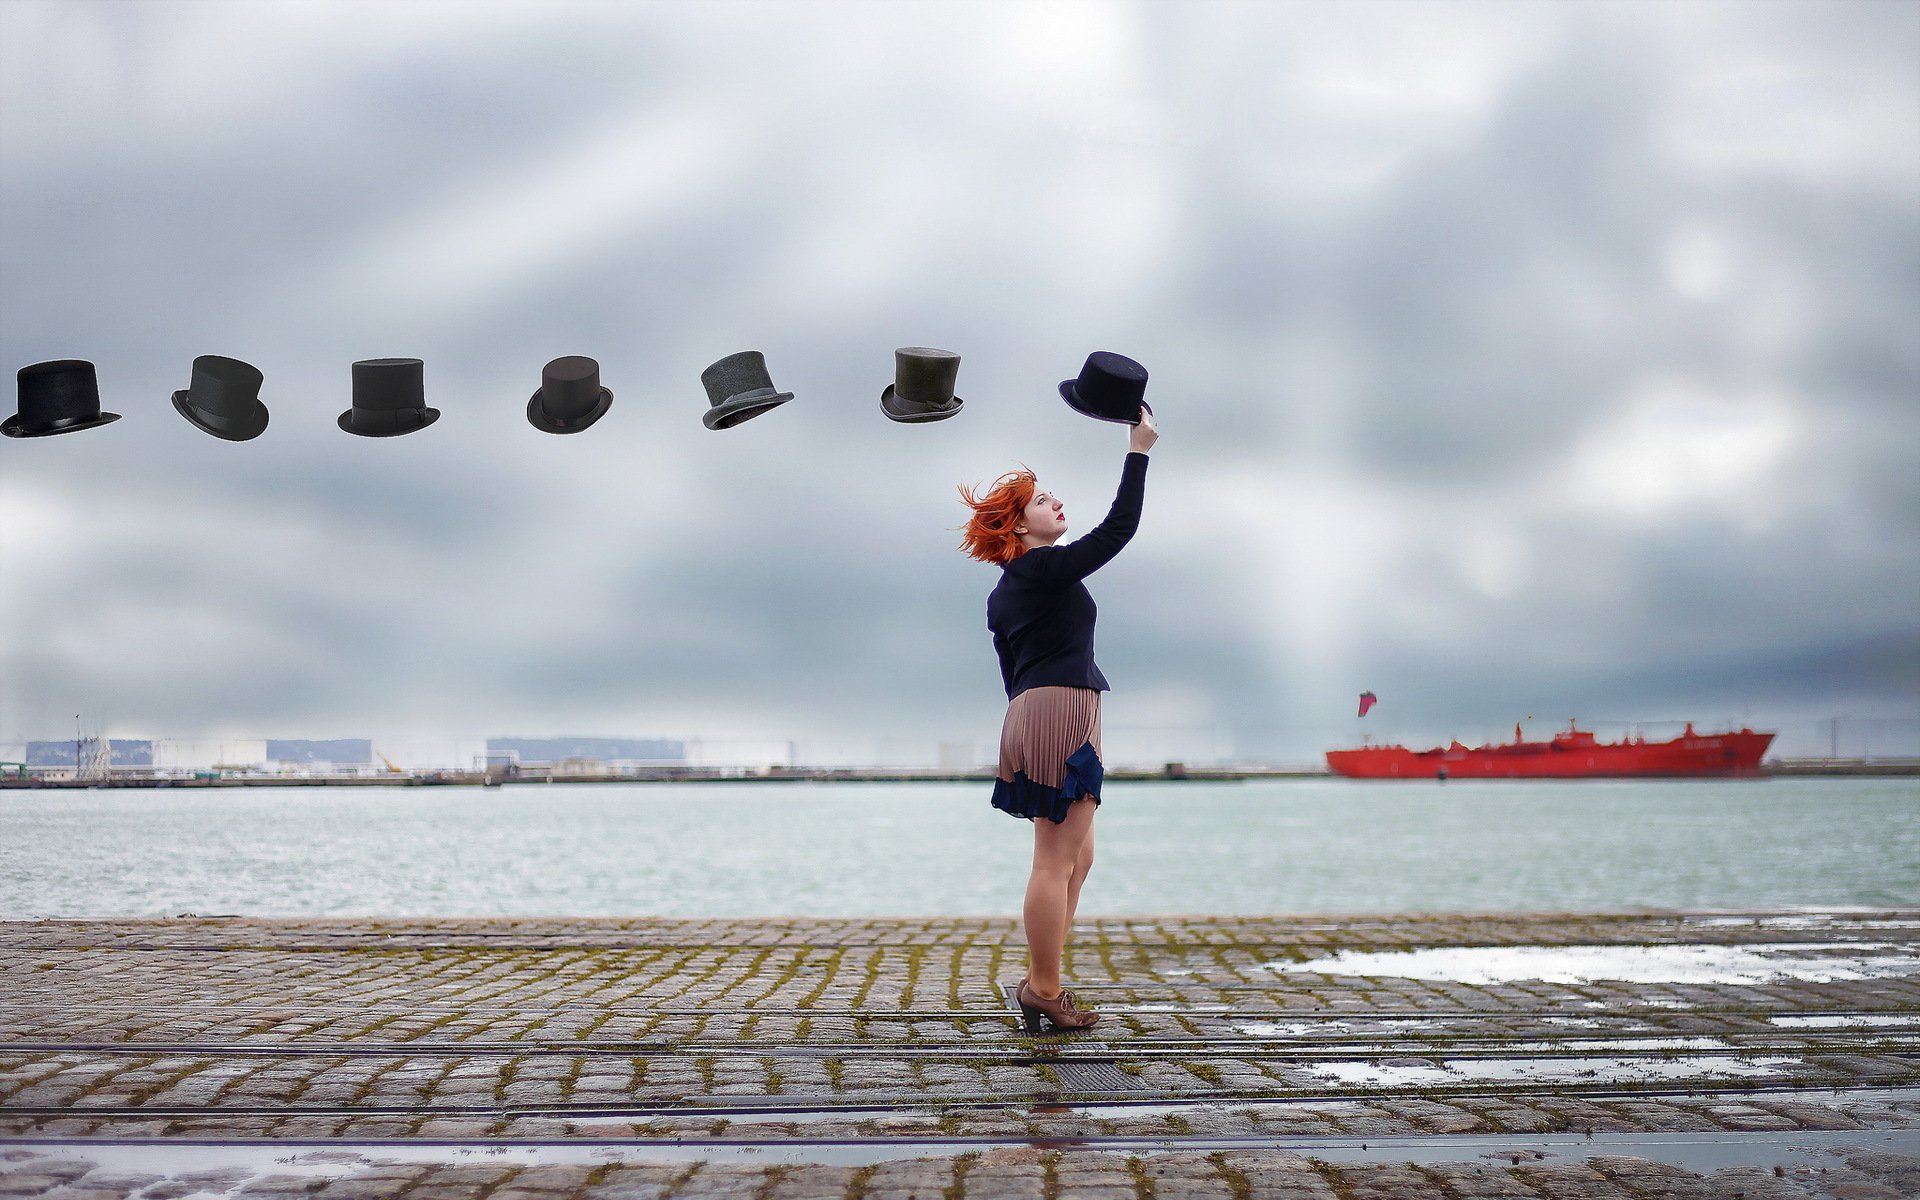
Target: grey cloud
(1435,339)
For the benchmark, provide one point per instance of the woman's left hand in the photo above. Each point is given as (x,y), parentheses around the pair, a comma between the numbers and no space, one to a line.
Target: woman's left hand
(1143,435)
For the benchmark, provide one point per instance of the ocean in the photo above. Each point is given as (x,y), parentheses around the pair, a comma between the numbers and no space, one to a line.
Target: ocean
(837,849)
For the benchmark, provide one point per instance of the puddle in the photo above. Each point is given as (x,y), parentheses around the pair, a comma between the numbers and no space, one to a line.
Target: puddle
(1873,1021)
(1546,1070)
(1698,1152)
(1172,1008)
(227,1169)
(1652,1043)
(224,1169)
(1753,964)
(733,1117)
(1341,1028)
(1362,1028)
(1116,1112)
(1294,1028)
(1840,921)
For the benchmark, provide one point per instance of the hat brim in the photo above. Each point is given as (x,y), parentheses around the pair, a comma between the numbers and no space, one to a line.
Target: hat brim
(346,422)
(1072,396)
(729,413)
(254,425)
(908,413)
(538,418)
(11,427)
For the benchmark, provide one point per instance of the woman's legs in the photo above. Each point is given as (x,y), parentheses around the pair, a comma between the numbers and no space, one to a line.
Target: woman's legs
(1062,855)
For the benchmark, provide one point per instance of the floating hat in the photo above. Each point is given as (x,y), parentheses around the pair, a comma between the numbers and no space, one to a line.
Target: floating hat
(1111,387)
(739,389)
(62,396)
(223,398)
(389,398)
(570,396)
(922,387)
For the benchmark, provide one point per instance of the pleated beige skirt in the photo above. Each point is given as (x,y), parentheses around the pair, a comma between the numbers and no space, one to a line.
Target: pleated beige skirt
(1049,752)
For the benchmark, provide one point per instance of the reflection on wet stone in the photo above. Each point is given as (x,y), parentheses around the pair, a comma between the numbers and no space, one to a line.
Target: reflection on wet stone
(582,1057)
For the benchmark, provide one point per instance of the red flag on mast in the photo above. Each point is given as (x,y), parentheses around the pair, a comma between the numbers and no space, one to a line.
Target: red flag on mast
(1367,701)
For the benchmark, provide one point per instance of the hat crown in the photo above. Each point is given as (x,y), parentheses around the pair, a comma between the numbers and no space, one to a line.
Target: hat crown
(222,385)
(925,376)
(389,398)
(1110,386)
(223,398)
(569,387)
(739,389)
(736,375)
(389,384)
(65,389)
(570,398)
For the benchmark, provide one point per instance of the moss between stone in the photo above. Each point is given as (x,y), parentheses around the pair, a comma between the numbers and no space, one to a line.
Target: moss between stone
(962,1163)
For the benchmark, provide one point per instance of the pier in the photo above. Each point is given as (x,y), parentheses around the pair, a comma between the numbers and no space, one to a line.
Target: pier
(879,1059)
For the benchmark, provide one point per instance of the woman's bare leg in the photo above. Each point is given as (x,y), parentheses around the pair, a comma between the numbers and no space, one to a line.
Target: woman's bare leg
(1081,866)
(1051,890)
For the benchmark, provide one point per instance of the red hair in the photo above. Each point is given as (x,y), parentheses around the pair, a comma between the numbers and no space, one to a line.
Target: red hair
(989,534)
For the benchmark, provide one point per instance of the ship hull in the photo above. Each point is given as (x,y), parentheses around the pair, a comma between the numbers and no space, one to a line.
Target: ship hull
(1714,755)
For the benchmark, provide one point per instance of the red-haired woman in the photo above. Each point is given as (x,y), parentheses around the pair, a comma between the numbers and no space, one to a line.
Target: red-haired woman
(1041,617)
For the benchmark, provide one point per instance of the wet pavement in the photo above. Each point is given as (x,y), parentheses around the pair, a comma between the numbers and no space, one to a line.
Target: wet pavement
(1532,1055)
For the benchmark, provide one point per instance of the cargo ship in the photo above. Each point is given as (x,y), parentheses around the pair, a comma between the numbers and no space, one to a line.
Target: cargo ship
(1572,753)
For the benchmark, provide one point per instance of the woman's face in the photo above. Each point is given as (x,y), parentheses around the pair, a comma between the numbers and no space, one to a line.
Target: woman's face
(1044,518)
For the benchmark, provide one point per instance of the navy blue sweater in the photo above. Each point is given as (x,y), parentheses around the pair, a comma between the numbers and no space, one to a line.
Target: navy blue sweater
(1042,616)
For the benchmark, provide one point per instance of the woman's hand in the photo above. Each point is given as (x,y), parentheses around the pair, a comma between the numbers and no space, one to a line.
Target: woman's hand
(1143,435)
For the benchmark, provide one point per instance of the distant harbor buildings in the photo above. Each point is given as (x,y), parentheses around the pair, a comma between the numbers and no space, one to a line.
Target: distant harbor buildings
(391,759)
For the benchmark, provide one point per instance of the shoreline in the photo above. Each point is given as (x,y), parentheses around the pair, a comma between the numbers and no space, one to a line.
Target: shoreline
(1171,773)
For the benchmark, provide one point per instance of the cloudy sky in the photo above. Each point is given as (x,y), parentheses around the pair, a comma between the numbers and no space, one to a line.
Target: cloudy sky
(1513,360)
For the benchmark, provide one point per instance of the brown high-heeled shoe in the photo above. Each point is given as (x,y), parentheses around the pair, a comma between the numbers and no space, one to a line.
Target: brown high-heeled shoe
(1060,1010)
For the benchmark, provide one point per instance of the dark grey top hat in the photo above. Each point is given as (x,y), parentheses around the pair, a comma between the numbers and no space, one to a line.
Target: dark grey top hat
(739,389)
(1111,387)
(570,396)
(223,398)
(389,398)
(62,396)
(922,387)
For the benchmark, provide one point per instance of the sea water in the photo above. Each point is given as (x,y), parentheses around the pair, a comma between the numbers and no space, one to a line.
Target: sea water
(748,849)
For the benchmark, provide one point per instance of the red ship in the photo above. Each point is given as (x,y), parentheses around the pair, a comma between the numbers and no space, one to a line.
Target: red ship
(1571,754)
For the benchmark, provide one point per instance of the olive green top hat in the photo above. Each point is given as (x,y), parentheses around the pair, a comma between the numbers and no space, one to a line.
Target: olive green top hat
(922,387)
(1111,387)
(223,399)
(389,398)
(570,396)
(739,389)
(62,396)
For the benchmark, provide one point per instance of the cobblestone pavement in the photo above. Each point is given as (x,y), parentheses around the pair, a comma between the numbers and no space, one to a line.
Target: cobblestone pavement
(1551,1055)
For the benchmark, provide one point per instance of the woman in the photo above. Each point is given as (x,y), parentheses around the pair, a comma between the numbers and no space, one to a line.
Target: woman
(1042,617)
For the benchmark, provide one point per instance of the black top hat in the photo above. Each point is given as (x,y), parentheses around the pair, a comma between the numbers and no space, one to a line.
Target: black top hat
(223,399)
(739,389)
(389,398)
(922,387)
(62,396)
(1111,387)
(570,396)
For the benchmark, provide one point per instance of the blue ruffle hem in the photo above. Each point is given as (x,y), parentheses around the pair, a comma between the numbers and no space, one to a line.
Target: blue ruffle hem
(1022,797)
